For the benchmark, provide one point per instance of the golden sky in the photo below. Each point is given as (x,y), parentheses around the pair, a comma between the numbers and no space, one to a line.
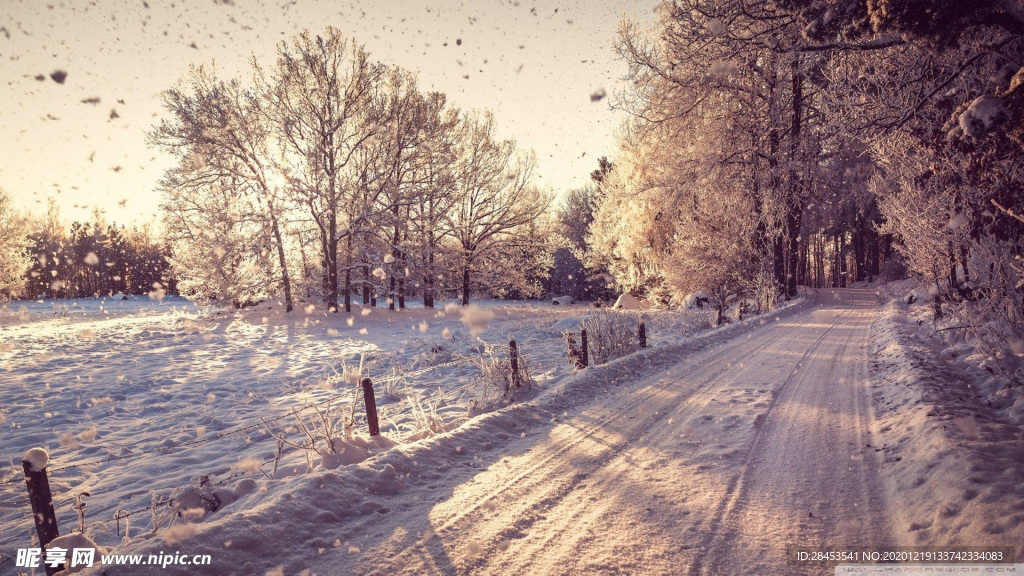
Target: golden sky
(82,141)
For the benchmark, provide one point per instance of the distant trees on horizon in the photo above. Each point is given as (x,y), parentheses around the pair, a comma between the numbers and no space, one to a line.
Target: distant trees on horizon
(44,257)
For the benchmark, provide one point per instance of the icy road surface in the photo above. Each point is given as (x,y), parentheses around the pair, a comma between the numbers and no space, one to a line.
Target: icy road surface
(712,466)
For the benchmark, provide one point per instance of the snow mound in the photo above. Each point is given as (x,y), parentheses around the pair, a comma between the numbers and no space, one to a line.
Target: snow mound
(982,115)
(74,540)
(629,302)
(697,300)
(386,482)
(353,451)
(573,323)
(343,454)
(38,458)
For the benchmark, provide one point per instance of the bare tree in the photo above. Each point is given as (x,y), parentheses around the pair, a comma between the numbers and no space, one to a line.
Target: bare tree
(322,93)
(221,134)
(495,201)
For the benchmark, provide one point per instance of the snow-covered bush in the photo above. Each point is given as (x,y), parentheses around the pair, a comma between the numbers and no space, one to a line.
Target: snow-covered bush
(763,291)
(322,429)
(393,384)
(426,420)
(994,312)
(494,384)
(611,334)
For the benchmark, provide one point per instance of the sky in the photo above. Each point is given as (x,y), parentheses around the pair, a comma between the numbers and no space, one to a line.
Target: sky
(82,141)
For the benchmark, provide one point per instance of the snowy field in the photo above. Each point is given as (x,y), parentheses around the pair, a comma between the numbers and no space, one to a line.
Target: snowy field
(136,398)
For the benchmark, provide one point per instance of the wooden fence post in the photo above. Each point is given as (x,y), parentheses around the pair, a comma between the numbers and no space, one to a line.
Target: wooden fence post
(572,352)
(643,334)
(42,509)
(371,407)
(583,347)
(513,357)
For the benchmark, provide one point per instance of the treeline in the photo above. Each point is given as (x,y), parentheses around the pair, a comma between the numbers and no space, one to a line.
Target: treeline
(334,179)
(823,143)
(46,258)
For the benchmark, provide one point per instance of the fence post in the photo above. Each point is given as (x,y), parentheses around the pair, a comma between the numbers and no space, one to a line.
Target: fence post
(643,334)
(42,509)
(371,407)
(513,357)
(572,353)
(583,347)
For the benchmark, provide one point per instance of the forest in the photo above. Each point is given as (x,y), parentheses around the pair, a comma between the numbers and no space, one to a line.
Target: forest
(44,257)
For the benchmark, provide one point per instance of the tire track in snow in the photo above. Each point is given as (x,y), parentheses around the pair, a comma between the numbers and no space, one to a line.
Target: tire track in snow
(798,448)
(708,377)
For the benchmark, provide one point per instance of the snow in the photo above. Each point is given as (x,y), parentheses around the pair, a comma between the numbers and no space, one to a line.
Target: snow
(982,114)
(630,302)
(948,431)
(140,397)
(708,452)
(37,458)
(73,540)
(141,388)
(698,300)
(419,494)
(571,323)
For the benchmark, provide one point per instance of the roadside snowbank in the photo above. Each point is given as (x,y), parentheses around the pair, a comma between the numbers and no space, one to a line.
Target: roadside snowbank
(953,458)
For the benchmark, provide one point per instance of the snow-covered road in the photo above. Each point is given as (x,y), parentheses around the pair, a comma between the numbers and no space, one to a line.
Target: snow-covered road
(712,466)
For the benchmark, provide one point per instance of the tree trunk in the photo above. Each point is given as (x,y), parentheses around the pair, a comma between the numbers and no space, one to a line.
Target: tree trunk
(332,264)
(403,266)
(793,221)
(280,256)
(348,273)
(876,261)
(428,277)
(465,284)
(794,206)
(305,265)
(844,274)
(779,263)
(836,265)
(366,281)
(801,269)
(859,251)
(773,166)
